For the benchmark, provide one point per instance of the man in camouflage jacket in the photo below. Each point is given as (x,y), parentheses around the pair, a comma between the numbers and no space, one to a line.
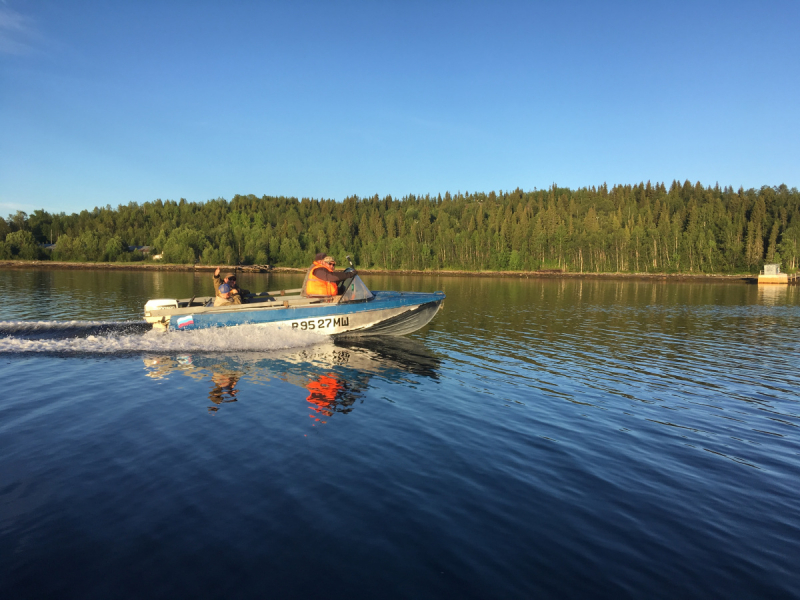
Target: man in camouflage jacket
(230,294)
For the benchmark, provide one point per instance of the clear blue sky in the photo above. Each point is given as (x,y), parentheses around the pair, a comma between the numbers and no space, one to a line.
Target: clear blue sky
(111,102)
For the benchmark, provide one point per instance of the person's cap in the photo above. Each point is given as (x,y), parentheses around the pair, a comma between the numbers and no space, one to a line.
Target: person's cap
(230,276)
(320,256)
(224,288)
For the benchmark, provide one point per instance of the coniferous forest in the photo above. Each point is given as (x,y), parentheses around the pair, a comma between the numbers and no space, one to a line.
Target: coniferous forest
(640,228)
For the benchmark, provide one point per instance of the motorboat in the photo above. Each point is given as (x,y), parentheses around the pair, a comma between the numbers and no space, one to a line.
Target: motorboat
(355,311)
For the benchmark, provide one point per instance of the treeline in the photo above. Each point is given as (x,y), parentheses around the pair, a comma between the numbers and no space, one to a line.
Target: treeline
(627,228)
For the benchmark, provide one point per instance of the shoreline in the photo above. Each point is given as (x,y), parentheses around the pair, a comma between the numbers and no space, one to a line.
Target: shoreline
(544,274)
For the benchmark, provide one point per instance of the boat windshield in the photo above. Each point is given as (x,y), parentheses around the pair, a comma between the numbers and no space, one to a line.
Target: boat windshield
(355,291)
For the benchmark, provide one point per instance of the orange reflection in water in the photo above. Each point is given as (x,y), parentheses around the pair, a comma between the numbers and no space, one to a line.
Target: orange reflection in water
(322,393)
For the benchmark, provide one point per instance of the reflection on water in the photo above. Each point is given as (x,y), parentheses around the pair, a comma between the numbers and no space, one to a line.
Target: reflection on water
(224,388)
(773,294)
(329,394)
(223,378)
(334,373)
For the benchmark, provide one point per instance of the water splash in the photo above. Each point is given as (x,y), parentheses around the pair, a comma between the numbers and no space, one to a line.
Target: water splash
(31,329)
(98,337)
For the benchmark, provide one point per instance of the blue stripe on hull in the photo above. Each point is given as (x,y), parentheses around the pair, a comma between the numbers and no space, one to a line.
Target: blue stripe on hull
(381,301)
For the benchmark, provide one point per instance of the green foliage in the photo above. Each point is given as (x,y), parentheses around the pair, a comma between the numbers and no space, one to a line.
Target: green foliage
(23,245)
(5,229)
(640,228)
(183,245)
(115,249)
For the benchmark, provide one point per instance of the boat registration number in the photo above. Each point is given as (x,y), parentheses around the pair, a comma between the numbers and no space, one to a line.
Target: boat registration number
(311,324)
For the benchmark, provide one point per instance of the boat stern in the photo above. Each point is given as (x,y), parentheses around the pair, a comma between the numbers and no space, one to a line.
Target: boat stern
(154,311)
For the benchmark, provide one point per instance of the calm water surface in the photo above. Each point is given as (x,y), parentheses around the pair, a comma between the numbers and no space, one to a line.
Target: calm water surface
(539,439)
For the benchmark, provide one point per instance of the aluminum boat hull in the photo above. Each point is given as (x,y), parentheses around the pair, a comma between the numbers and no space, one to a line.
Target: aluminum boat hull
(386,313)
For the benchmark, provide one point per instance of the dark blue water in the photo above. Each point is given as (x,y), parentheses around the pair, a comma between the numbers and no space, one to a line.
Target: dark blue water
(539,439)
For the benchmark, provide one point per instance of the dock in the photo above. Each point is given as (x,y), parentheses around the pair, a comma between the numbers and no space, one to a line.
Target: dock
(772,275)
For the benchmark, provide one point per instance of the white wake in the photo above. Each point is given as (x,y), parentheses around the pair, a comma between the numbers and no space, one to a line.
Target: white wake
(90,337)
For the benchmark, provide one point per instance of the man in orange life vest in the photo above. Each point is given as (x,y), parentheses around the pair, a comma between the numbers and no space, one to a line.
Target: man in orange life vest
(322,280)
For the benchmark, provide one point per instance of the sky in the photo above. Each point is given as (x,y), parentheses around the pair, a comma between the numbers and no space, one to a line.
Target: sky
(111,102)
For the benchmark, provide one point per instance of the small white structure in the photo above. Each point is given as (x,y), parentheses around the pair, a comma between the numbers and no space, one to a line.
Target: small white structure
(772,274)
(158,256)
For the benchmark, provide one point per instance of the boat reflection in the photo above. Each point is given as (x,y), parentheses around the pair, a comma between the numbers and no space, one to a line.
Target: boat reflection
(334,375)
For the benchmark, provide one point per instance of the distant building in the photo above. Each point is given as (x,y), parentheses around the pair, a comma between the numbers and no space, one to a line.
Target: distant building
(772,274)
